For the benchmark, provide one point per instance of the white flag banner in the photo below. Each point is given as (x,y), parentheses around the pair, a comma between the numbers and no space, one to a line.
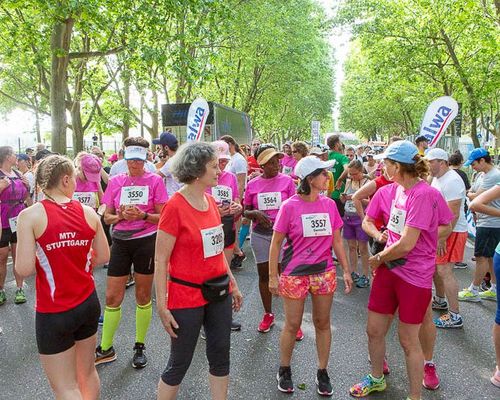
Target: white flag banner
(197,117)
(437,118)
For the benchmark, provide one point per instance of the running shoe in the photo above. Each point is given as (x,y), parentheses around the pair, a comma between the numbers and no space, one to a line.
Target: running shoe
(3,297)
(368,385)
(235,326)
(363,282)
(446,321)
(431,378)
(460,265)
(237,261)
(495,379)
(488,295)
(202,334)
(354,276)
(139,360)
(284,378)
(439,305)
(299,336)
(130,281)
(485,285)
(101,320)
(20,297)
(266,323)
(104,356)
(386,368)
(468,295)
(324,386)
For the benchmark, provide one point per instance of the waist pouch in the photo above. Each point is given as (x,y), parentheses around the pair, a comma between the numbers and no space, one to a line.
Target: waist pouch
(213,290)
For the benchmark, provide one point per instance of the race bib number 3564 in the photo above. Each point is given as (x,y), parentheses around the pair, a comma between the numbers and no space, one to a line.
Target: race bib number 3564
(213,241)
(134,195)
(269,201)
(316,225)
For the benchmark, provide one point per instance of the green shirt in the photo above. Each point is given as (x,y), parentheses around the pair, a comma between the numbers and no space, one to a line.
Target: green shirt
(337,170)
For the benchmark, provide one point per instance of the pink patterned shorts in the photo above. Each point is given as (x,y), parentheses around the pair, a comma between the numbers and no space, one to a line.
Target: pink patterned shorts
(297,287)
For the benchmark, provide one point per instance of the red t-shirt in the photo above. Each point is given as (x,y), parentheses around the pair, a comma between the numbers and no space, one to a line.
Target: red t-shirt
(380,181)
(252,165)
(187,261)
(63,259)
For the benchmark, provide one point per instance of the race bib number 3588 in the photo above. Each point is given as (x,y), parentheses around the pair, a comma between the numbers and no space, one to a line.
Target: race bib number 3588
(134,195)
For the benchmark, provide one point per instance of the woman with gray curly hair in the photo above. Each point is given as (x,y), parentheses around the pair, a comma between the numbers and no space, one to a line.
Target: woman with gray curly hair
(195,289)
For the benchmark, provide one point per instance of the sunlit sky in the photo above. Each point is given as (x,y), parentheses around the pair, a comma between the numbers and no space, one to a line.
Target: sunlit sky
(17,129)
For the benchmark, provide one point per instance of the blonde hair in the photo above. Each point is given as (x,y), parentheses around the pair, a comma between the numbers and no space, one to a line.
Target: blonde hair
(51,170)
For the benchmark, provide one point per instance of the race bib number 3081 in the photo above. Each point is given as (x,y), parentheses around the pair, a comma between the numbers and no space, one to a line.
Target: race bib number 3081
(134,195)
(316,225)
(213,241)
(269,201)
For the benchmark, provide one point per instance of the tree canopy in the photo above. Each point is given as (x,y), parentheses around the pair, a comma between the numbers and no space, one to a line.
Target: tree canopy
(80,61)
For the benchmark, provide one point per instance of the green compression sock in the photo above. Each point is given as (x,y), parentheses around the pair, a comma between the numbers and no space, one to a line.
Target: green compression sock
(112,317)
(143,316)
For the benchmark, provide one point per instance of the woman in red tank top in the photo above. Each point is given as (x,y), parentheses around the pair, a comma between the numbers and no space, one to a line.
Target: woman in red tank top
(61,240)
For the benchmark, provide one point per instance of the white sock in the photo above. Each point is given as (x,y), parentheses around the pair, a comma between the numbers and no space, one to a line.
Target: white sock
(493,288)
(428,362)
(439,299)
(474,289)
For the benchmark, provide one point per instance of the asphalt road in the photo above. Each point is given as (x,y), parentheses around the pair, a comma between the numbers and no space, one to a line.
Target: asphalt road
(465,357)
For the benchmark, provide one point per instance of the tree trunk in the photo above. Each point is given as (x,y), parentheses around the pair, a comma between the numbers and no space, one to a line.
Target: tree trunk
(155,126)
(37,127)
(126,104)
(76,123)
(59,46)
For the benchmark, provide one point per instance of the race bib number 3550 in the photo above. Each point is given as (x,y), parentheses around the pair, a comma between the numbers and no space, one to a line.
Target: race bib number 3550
(269,201)
(134,195)
(213,241)
(316,225)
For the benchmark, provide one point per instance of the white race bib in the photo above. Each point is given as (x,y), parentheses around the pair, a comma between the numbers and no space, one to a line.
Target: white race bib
(349,207)
(213,241)
(316,225)
(222,193)
(287,170)
(13,224)
(397,220)
(269,201)
(134,195)
(87,198)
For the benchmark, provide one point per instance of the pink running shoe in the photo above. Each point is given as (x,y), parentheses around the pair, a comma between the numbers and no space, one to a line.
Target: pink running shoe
(387,370)
(431,378)
(266,323)
(495,379)
(299,336)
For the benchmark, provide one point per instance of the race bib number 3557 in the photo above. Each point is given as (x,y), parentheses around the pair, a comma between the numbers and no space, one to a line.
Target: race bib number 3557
(269,201)
(316,225)
(213,241)
(134,195)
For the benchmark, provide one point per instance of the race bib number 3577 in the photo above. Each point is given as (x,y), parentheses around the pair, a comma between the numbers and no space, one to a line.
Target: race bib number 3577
(269,201)
(134,195)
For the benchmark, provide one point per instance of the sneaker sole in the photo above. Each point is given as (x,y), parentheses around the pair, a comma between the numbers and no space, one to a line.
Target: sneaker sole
(299,339)
(476,300)
(322,393)
(267,330)
(450,326)
(290,391)
(489,298)
(24,301)
(370,392)
(430,388)
(495,381)
(139,366)
(105,360)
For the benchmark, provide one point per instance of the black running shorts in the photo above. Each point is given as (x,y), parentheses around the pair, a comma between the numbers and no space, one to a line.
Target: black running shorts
(58,332)
(139,252)
(7,237)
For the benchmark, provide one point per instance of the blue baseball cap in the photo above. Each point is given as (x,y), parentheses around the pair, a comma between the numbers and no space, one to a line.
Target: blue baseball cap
(401,151)
(475,155)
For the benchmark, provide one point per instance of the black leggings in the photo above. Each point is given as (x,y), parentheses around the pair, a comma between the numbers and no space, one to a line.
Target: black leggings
(216,319)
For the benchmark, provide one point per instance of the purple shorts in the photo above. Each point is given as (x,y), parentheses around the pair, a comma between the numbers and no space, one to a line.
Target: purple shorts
(352,228)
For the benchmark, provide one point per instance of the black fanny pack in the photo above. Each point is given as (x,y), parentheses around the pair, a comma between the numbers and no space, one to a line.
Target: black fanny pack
(213,290)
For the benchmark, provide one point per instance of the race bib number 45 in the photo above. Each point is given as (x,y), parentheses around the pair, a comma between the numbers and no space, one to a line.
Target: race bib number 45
(134,195)
(213,241)
(269,201)
(87,198)
(222,193)
(316,225)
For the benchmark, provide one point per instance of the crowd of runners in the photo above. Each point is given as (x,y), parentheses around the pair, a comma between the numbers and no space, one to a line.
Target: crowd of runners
(390,220)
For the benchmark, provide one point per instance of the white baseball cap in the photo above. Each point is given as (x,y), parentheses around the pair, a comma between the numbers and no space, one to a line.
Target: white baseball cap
(437,154)
(309,164)
(135,153)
